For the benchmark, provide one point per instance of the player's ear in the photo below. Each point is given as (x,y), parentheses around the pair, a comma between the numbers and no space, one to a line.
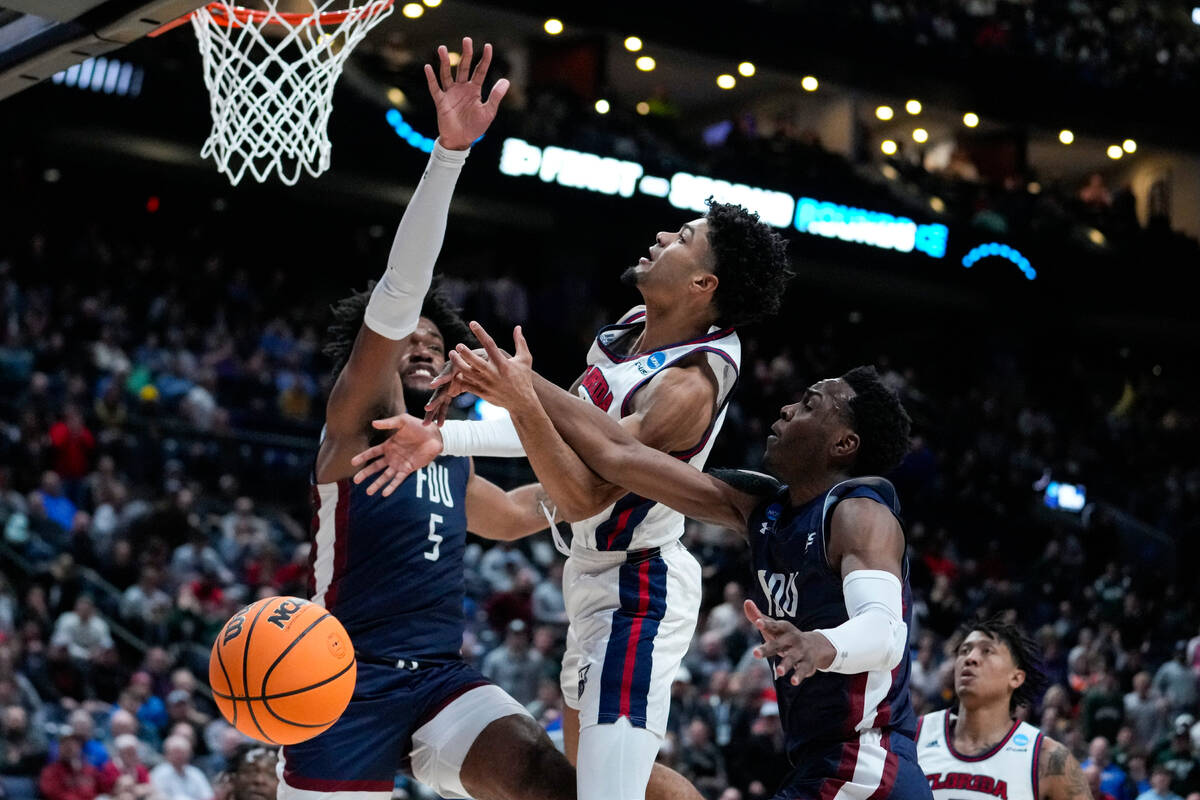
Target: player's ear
(846,445)
(1017,679)
(705,282)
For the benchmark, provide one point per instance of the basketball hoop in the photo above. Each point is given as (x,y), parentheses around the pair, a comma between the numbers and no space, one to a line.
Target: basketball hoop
(271,97)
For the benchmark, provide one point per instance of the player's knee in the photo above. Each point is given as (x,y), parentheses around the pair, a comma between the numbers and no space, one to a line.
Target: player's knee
(547,775)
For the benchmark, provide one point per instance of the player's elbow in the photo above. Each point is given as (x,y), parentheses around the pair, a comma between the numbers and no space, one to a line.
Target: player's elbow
(897,643)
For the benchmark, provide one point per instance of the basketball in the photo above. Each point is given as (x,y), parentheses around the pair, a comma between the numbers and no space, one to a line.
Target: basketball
(282,670)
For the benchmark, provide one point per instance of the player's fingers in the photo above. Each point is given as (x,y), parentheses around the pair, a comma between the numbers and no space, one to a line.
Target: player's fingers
(489,344)
(497,94)
(441,417)
(474,360)
(463,71)
(395,483)
(751,611)
(460,363)
(431,79)
(520,346)
(444,66)
(766,649)
(369,470)
(366,455)
(481,70)
(381,481)
(389,423)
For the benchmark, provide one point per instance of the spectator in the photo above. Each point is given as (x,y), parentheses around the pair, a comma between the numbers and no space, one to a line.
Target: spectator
(145,601)
(1145,712)
(728,616)
(1176,755)
(515,666)
(176,778)
(501,564)
(1112,778)
(1092,773)
(82,631)
(1103,707)
(58,507)
(70,776)
(72,444)
(548,605)
(702,762)
(514,604)
(21,754)
(84,727)
(252,773)
(1160,785)
(1176,682)
(126,764)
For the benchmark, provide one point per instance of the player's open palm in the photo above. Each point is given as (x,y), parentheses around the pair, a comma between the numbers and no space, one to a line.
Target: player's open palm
(501,379)
(800,652)
(411,446)
(463,115)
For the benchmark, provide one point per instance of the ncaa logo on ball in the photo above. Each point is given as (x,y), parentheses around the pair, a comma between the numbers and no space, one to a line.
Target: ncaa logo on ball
(654,362)
(336,646)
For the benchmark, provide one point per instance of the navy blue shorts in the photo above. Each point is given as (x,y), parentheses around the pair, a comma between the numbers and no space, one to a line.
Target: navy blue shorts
(873,767)
(371,742)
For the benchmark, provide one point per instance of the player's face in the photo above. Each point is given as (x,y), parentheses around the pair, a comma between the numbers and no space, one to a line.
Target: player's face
(984,669)
(422,355)
(674,259)
(805,431)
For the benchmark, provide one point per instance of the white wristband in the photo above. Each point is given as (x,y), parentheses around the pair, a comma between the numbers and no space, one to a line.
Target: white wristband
(875,636)
(395,305)
(494,437)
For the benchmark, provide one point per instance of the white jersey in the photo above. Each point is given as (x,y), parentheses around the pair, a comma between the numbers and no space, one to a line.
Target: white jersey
(1008,771)
(610,383)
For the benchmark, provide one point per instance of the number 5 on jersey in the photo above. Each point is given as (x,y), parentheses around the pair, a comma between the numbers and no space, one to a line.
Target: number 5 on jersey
(434,536)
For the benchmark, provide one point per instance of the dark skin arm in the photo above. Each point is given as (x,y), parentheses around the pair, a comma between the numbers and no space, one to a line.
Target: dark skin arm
(369,383)
(496,514)
(547,414)
(864,535)
(1059,774)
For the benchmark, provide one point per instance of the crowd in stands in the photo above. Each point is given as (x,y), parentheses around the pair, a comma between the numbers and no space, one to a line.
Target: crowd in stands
(1107,43)
(160,405)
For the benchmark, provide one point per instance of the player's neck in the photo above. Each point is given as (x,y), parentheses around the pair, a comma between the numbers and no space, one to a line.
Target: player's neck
(980,729)
(668,325)
(802,489)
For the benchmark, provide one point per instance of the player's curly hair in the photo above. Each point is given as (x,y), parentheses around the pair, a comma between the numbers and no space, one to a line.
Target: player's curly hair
(752,264)
(880,420)
(348,316)
(1025,654)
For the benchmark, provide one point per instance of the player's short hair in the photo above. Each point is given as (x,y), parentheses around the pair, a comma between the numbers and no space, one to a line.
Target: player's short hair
(880,420)
(752,264)
(348,316)
(1025,654)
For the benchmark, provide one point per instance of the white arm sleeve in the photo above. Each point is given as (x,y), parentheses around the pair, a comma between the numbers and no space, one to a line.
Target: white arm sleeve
(395,305)
(493,437)
(875,635)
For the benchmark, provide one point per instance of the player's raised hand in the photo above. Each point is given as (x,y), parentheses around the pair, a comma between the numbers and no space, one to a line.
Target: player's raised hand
(412,446)
(800,652)
(446,386)
(462,114)
(501,379)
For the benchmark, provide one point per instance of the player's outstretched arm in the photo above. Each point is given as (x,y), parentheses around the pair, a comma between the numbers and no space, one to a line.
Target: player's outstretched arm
(368,382)
(1059,774)
(548,418)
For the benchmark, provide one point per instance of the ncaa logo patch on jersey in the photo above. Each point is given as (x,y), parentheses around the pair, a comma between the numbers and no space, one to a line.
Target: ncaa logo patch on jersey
(652,363)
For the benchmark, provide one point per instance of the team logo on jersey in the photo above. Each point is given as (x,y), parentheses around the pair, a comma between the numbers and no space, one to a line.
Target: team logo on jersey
(583,673)
(597,388)
(964,780)
(652,363)
(808,542)
(783,599)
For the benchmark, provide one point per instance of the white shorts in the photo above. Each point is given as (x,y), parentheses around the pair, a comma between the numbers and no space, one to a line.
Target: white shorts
(439,747)
(630,625)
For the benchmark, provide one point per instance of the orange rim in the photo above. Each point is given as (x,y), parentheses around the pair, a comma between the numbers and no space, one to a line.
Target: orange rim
(236,16)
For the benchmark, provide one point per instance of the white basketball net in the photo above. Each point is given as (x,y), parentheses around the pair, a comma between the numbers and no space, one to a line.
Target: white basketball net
(271,97)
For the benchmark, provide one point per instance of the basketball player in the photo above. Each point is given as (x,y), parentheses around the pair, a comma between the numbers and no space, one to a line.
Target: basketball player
(665,373)
(977,750)
(391,568)
(827,550)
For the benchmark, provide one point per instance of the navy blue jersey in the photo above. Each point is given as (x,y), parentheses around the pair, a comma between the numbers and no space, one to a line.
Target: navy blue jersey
(391,568)
(794,582)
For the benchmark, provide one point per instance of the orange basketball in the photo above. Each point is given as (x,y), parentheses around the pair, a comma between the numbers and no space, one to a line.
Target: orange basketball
(282,670)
